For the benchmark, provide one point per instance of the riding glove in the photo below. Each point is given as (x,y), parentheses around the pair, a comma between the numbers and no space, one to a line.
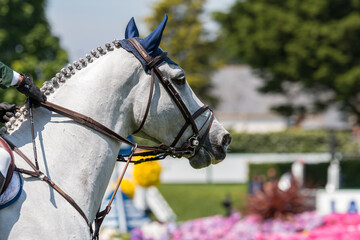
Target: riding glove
(28,88)
(7,111)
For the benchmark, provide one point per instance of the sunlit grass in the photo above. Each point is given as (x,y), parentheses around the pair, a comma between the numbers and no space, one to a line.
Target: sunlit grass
(190,201)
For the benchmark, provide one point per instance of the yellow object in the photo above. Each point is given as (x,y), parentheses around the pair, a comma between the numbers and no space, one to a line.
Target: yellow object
(147,174)
(127,187)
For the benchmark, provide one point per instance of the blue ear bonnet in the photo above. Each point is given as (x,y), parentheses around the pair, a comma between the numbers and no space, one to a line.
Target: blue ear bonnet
(150,43)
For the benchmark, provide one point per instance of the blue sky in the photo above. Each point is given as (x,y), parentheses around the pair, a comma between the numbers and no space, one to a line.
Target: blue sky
(84,25)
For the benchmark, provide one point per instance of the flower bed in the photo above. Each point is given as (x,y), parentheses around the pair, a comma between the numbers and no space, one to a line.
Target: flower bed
(307,225)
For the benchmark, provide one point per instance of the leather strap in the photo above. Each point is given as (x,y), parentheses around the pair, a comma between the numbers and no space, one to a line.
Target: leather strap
(91,123)
(155,60)
(149,102)
(38,174)
(186,125)
(152,63)
(166,83)
(5,145)
(202,139)
(86,121)
(100,216)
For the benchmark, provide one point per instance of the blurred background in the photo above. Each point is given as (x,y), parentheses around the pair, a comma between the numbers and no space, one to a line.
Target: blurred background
(283,76)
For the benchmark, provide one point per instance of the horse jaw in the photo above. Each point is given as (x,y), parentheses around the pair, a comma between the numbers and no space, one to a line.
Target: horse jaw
(202,159)
(214,148)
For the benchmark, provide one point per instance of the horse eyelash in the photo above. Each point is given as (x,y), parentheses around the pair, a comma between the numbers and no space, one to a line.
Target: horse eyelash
(181,80)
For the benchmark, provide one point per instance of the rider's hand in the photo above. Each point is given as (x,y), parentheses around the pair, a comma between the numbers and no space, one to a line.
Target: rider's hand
(7,111)
(27,87)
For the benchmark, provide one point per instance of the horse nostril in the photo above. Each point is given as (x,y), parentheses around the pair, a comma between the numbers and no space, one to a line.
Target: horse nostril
(226,140)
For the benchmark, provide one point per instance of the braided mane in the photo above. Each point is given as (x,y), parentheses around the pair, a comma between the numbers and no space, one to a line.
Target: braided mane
(56,82)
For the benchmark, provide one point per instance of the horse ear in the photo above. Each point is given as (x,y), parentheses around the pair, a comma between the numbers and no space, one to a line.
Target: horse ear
(131,29)
(152,42)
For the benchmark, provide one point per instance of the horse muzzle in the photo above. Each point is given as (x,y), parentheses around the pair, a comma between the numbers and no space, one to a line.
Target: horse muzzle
(214,148)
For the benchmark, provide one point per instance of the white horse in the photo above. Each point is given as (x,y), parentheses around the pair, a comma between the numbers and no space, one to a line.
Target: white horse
(112,88)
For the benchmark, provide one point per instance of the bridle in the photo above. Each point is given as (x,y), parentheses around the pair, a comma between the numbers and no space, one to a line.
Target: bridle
(192,144)
(189,148)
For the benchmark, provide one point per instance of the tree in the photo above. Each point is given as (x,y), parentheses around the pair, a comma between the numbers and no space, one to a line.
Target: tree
(187,42)
(312,44)
(26,43)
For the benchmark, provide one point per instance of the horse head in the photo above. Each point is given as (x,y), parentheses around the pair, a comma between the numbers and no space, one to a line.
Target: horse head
(165,119)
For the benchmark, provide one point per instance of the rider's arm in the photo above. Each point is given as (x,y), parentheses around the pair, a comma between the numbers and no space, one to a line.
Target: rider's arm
(8,77)
(23,83)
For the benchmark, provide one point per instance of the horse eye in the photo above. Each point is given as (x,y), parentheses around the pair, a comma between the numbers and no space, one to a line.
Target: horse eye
(180,80)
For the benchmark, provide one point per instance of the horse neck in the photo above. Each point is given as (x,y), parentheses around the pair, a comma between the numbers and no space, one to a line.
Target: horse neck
(78,159)
(103,91)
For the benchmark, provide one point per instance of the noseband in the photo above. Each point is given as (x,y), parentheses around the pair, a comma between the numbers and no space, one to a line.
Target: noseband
(189,148)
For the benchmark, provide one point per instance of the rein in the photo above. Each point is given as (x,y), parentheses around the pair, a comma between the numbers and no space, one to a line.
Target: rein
(189,148)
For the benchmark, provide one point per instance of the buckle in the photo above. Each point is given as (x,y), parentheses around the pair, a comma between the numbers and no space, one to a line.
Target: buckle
(41,176)
(194,141)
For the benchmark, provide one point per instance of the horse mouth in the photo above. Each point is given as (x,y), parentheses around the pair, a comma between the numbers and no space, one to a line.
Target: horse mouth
(203,158)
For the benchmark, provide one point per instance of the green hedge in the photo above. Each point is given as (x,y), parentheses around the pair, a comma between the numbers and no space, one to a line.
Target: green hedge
(350,177)
(289,141)
(292,141)
(262,168)
(315,174)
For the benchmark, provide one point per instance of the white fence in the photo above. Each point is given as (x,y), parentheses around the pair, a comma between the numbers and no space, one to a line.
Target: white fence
(234,169)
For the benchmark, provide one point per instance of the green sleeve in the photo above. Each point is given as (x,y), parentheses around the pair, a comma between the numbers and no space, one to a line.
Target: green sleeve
(6,76)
